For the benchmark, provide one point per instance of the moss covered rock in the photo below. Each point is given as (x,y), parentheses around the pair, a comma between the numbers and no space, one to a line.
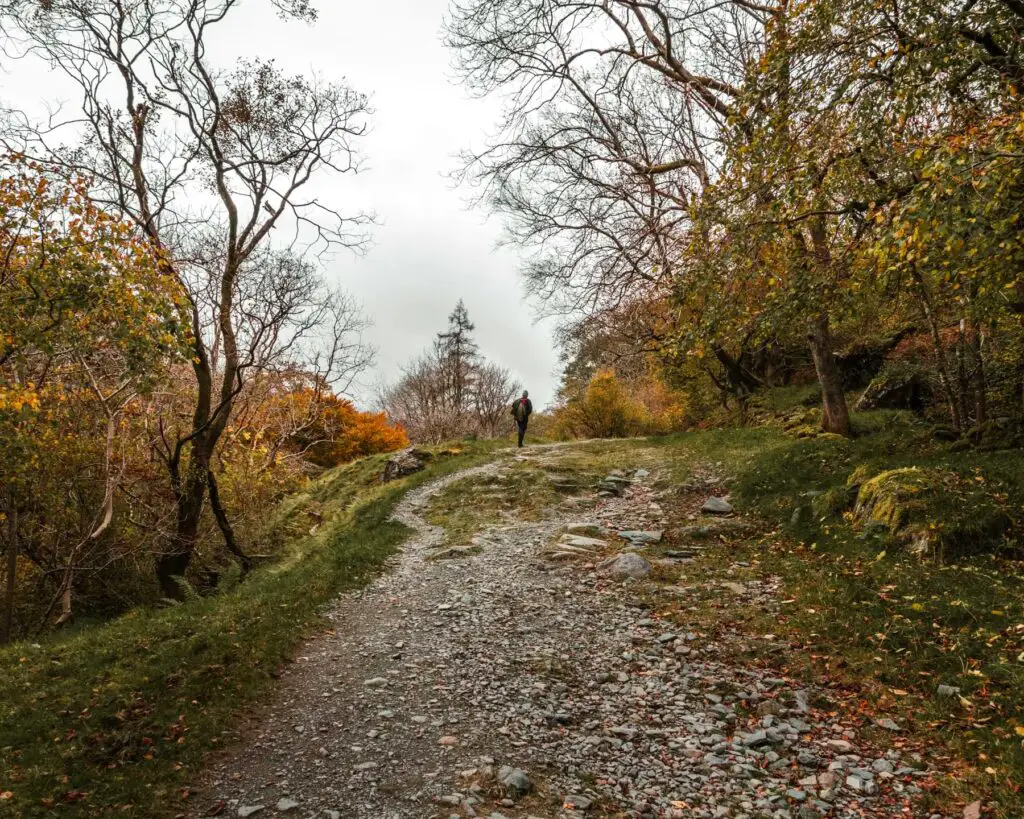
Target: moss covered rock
(998,433)
(899,385)
(936,512)
(834,501)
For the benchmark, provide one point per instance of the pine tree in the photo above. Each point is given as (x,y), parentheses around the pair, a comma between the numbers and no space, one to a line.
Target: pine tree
(457,349)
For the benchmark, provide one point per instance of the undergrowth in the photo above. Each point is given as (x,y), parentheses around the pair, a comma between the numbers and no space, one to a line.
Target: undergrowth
(117,719)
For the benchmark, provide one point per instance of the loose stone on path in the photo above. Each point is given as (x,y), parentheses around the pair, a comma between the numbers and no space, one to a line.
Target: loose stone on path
(503,679)
(717,506)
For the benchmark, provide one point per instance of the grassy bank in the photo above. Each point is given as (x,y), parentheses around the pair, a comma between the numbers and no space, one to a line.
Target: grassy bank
(116,719)
(883,625)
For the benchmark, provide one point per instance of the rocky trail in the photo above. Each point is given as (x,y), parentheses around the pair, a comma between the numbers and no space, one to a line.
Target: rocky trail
(529,678)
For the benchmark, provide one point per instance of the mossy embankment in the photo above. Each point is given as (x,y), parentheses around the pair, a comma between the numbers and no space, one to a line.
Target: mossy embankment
(116,719)
(900,561)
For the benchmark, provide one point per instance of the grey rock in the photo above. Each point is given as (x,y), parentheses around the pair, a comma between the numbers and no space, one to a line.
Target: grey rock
(948,690)
(865,786)
(515,780)
(757,739)
(576,801)
(627,564)
(285,804)
(404,463)
(768,707)
(887,724)
(717,506)
(640,536)
(582,542)
(250,810)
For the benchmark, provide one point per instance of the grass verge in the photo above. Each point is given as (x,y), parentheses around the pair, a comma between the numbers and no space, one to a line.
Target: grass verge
(861,612)
(117,719)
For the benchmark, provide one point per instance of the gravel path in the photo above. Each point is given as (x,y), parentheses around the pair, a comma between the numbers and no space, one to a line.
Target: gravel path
(511,683)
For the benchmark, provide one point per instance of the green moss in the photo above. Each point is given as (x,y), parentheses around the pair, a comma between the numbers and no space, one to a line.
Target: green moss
(862,473)
(834,501)
(937,511)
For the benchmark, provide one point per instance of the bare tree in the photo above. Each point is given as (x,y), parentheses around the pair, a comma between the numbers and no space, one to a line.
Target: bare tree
(177,144)
(609,134)
(495,389)
(421,401)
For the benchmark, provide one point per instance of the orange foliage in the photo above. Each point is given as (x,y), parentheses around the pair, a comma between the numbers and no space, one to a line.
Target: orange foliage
(612,407)
(341,433)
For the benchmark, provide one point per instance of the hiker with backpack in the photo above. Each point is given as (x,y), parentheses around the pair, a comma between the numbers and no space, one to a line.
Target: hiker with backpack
(521,410)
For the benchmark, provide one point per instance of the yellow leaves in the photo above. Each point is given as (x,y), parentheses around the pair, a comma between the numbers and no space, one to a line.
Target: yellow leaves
(1019,730)
(17,399)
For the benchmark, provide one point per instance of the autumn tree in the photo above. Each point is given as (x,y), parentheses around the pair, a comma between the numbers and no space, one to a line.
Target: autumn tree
(182,146)
(87,318)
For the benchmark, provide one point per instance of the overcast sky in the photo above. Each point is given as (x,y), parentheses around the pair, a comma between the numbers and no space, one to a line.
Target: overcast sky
(430,249)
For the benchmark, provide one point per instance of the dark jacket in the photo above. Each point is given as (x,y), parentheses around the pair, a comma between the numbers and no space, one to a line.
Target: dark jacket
(526,414)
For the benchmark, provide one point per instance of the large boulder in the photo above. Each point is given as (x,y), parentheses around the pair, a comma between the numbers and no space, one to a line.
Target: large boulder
(901,385)
(936,512)
(405,462)
(998,433)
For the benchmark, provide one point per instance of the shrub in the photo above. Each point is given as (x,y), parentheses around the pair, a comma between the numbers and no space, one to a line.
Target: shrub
(610,407)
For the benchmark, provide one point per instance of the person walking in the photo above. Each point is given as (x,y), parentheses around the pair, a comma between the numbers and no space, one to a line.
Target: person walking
(521,410)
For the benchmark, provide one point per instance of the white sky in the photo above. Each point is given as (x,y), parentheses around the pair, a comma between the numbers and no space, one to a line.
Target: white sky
(429,249)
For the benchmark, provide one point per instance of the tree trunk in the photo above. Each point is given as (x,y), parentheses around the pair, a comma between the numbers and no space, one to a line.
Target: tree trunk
(940,356)
(739,379)
(978,377)
(835,414)
(192,495)
(7,626)
(963,383)
(225,524)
